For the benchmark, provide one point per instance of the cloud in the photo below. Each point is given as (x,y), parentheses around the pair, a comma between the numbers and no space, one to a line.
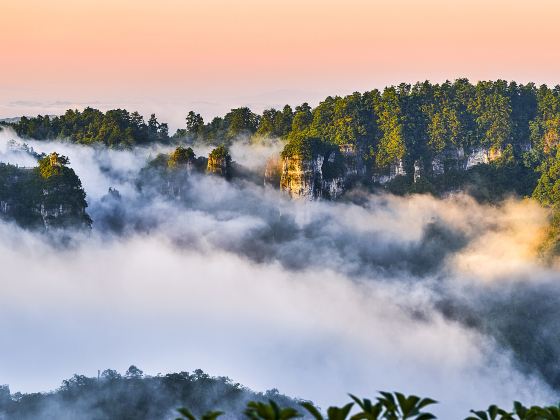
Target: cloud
(443,298)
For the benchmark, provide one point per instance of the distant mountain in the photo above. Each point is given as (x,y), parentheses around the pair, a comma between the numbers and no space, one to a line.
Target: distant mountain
(135,396)
(13,120)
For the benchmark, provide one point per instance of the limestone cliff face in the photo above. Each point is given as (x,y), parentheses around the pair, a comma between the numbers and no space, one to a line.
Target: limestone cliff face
(218,166)
(394,170)
(313,178)
(219,162)
(273,172)
(34,200)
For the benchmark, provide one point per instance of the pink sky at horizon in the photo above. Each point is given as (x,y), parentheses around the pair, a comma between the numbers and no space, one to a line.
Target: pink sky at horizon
(174,55)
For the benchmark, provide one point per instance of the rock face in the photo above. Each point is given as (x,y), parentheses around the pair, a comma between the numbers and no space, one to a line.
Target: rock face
(324,174)
(34,200)
(394,170)
(273,172)
(219,162)
(459,160)
(418,170)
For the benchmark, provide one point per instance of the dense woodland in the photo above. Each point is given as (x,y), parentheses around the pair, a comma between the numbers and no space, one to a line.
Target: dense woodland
(519,125)
(407,122)
(133,396)
(47,196)
(115,128)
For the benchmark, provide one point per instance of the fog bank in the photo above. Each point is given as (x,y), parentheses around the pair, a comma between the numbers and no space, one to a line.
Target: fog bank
(440,297)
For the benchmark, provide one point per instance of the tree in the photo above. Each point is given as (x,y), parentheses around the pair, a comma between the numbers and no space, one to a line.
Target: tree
(302,118)
(52,165)
(195,123)
(240,121)
(110,375)
(492,110)
(271,411)
(391,146)
(180,157)
(267,123)
(133,372)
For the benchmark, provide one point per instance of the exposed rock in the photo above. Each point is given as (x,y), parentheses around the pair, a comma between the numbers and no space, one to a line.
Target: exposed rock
(219,162)
(47,197)
(353,162)
(452,158)
(182,158)
(395,169)
(418,170)
(524,146)
(273,171)
(478,156)
(321,176)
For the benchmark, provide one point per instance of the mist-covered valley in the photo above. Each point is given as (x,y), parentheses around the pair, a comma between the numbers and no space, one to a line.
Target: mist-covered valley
(443,297)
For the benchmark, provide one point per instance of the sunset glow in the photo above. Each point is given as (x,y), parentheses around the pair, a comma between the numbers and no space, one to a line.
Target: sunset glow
(215,54)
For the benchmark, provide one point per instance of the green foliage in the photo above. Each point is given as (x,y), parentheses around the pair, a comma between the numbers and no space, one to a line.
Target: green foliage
(116,396)
(397,406)
(195,124)
(492,110)
(551,244)
(369,411)
(115,128)
(389,406)
(52,165)
(520,412)
(547,191)
(180,157)
(269,411)
(220,153)
(392,143)
(275,124)
(186,414)
(48,196)
(302,118)
(307,147)
(219,162)
(303,145)
(240,121)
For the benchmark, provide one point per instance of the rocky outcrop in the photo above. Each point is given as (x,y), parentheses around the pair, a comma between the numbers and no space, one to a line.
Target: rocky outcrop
(395,169)
(219,162)
(273,172)
(456,159)
(47,197)
(418,170)
(322,174)
(182,159)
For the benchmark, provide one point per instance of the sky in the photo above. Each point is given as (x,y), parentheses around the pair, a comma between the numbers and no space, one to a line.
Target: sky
(171,56)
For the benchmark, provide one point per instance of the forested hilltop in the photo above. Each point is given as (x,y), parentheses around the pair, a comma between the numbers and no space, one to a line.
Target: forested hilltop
(47,196)
(492,139)
(133,396)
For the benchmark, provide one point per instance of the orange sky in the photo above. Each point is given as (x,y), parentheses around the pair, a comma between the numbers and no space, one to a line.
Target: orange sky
(172,55)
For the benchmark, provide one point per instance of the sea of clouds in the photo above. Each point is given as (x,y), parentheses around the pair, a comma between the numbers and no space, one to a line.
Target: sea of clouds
(444,298)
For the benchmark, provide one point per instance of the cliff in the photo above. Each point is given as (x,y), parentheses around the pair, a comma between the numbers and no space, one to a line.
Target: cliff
(273,171)
(219,162)
(312,170)
(46,197)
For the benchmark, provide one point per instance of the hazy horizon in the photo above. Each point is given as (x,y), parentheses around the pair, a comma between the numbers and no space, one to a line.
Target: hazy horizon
(210,56)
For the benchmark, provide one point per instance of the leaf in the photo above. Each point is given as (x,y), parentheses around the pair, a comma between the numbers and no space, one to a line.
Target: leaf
(211,415)
(425,402)
(312,410)
(481,415)
(425,416)
(186,413)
